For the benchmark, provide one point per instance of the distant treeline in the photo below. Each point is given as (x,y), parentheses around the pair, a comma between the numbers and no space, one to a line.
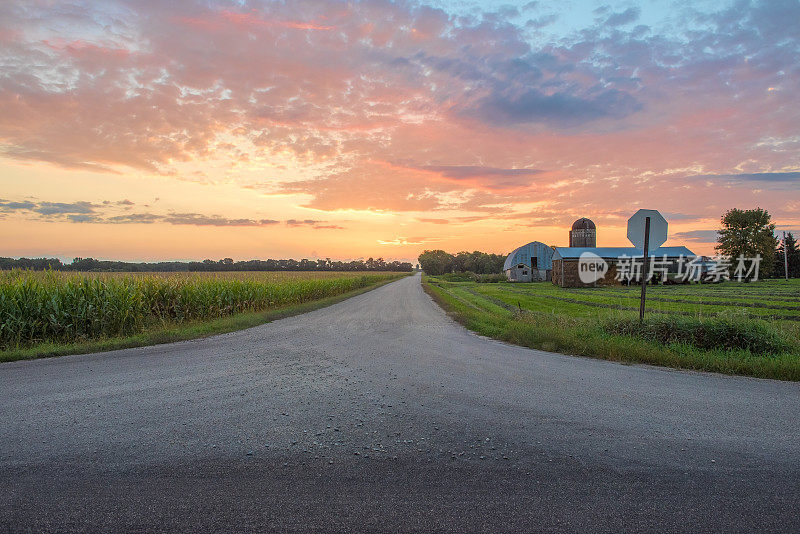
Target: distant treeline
(436,262)
(227,264)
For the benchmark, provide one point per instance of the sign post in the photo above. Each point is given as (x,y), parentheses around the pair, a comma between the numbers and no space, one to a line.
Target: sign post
(647,229)
(644,266)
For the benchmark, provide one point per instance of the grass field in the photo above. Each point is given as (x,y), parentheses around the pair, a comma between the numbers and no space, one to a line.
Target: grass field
(47,313)
(751,329)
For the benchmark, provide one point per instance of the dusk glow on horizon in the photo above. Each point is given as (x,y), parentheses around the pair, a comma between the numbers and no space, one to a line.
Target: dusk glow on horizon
(149,130)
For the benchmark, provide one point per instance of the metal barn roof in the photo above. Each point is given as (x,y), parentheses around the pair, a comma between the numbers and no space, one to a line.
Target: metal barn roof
(615,252)
(524,254)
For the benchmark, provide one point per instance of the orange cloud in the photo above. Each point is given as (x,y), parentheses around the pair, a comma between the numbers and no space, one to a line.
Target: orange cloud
(406,111)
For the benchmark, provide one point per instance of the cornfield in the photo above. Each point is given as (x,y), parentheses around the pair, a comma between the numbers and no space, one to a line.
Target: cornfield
(71,307)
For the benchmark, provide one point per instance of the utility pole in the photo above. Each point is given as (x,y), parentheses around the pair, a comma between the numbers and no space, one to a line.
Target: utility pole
(785,257)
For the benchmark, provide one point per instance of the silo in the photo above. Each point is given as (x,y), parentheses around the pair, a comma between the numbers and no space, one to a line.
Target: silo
(583,233)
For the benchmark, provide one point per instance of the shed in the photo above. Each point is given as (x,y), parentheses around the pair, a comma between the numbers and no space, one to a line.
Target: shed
(529,263)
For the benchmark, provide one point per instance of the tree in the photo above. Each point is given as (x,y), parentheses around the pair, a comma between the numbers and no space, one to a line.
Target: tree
(464,261)
(793,258)
(436,262)
(748,233)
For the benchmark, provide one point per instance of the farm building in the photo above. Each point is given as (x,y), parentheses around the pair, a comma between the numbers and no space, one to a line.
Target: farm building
(607,262)
(529,263)
(583,233)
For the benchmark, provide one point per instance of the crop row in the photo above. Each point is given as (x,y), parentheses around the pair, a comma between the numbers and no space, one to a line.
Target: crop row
(743,291)
(63,308)
(661,304)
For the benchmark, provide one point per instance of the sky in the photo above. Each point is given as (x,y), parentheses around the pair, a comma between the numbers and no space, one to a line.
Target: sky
(147,130)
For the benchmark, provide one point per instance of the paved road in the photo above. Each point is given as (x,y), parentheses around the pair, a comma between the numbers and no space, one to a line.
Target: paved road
(381,414)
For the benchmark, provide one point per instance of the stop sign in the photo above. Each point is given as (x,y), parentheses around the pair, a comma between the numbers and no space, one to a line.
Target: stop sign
(658,229)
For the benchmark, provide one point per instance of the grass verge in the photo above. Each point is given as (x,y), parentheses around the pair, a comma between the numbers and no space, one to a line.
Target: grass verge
(181,332)
(593,337)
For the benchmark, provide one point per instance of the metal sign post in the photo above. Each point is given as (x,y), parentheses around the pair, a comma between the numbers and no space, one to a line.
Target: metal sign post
(644,266)
(646,229)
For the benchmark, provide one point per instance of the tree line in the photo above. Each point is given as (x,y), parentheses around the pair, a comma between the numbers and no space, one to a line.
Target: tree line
(226,264)
(437,262)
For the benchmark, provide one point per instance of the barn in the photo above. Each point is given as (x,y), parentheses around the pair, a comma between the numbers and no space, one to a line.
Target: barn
(529,263)
(568,262)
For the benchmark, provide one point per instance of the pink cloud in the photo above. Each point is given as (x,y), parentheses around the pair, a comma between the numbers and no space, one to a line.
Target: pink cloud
(410,108)
(226,18)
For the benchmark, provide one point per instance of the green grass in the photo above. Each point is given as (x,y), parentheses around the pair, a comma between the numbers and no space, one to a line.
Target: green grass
(49,314)
(746,329)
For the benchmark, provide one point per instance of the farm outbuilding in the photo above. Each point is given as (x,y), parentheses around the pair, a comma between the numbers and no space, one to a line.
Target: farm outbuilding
(529,263)
(567,262)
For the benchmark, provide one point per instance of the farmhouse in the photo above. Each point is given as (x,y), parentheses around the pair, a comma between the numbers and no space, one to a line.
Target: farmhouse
(529,263)
(601,266)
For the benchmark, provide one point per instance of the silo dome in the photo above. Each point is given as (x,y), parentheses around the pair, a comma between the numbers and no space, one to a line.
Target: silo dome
(583,224)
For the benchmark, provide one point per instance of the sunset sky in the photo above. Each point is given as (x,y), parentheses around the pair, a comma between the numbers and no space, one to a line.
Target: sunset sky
(154,130)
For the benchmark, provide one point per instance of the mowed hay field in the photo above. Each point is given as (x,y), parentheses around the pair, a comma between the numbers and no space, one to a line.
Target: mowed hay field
(62,308)
(737,328)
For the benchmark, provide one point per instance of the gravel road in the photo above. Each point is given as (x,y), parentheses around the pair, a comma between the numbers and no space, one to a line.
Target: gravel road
(381,414)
